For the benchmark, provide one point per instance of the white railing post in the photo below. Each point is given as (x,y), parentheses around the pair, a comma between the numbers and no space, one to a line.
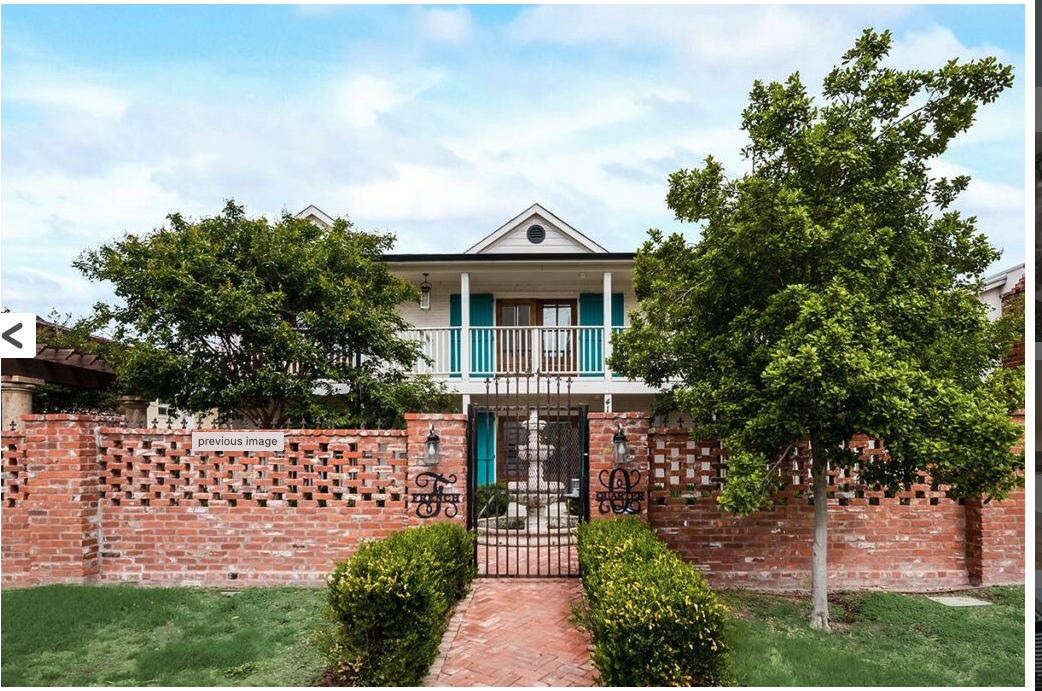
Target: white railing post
(464,343)
(537,347)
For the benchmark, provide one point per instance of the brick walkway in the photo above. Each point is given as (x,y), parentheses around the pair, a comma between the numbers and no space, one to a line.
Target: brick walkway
(514,632)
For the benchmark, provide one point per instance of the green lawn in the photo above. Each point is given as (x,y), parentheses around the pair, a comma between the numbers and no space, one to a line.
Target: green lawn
(880,639)
(127,636)
(123,635)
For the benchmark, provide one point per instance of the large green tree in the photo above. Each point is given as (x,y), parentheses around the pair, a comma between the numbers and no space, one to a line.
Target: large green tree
(271,323)
(833,291)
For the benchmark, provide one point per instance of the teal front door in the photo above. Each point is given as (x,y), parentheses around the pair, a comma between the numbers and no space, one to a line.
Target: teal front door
(486,447)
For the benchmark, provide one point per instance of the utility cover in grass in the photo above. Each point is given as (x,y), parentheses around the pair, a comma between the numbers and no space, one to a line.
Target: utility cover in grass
(959,601)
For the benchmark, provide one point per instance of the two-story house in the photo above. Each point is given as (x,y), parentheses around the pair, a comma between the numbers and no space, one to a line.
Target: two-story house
(533,297)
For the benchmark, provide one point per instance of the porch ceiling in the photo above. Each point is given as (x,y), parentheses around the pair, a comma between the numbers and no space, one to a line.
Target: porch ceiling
(572,279)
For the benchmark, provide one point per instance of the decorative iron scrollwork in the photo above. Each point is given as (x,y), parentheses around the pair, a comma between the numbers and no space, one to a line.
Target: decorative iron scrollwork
(428,504)
(619,497)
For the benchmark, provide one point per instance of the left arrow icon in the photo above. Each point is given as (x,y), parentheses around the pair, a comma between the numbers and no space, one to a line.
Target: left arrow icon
(23,324)
(7,335)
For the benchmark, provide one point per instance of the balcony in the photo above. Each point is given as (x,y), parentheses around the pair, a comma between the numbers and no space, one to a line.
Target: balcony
(574,351)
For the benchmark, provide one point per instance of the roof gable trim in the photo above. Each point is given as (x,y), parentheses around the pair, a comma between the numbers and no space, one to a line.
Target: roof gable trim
(519,220)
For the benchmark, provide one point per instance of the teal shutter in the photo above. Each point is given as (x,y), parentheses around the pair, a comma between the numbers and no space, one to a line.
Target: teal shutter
(591,346)
(486,445)
(482,313)
(455,319)
(482,364)
(591,354)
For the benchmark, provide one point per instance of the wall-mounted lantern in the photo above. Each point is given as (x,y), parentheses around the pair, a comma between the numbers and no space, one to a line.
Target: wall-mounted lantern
(432,452)
(621,448)
(425,294)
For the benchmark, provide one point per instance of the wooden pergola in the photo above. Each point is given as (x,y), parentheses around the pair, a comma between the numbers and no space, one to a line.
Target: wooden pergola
(54,365)
(62,366)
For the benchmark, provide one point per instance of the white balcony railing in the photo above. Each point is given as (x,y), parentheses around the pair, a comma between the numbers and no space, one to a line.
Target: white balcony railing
(503,350)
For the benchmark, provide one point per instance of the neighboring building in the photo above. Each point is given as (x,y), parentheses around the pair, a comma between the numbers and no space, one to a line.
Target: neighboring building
(165,416)
(999,284)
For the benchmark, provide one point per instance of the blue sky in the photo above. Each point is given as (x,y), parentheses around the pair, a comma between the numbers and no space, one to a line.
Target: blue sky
(435,123)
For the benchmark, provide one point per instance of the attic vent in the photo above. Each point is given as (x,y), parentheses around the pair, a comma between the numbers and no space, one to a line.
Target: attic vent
(536,234)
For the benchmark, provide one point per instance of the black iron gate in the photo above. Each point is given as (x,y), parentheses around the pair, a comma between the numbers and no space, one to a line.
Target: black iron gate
(527,468)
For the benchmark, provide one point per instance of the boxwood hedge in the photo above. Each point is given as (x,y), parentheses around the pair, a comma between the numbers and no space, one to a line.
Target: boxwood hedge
(388,604)
(653,619)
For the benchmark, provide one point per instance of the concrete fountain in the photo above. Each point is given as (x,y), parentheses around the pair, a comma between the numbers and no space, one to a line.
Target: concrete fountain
(539,502)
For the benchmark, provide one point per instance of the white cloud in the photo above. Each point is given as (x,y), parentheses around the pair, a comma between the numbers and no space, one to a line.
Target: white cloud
(446,25)
(81,97)
(316,9)
(714,35)
(420,193)
(360,99)
(933,47)
(47,205)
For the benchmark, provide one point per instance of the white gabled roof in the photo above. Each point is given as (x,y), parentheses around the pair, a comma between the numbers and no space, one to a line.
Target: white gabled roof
(316,216)
(519,224)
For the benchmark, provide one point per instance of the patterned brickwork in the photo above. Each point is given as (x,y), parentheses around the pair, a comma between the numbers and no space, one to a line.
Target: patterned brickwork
(15,556)
(318,468)
(83,500)
(88,501)
(14,473)
(916,539)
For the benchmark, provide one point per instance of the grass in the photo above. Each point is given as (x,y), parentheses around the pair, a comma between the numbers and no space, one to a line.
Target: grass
(129,636)
(67,635)
(879,639)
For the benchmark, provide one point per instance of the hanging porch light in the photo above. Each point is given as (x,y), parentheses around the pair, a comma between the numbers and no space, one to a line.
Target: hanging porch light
(425,294)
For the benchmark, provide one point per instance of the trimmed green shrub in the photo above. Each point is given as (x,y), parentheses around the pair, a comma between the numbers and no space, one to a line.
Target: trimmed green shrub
(653,619)
(492,500)
(388,604)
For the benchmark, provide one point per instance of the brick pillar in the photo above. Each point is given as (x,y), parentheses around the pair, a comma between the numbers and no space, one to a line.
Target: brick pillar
(451,428)
(996,536)
(15,539)
(62,497)
(995,540)
(603,427)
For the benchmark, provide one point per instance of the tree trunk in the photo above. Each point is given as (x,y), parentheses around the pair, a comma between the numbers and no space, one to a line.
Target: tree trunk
(819,616)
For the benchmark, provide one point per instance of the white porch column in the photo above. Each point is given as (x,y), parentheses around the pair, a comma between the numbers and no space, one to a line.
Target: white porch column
(607,323)
(464,344)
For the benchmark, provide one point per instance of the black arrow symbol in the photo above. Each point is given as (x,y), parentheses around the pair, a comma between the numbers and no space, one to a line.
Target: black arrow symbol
(7,335)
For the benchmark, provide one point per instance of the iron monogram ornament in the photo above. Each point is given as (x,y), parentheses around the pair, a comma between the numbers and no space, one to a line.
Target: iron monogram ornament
(619,497)
(428,504)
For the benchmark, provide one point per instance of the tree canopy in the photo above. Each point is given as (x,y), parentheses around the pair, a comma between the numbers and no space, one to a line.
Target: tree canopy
(269,323)
(833,291)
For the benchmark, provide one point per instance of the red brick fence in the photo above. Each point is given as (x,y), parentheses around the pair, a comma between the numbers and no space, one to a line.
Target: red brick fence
(87,500)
